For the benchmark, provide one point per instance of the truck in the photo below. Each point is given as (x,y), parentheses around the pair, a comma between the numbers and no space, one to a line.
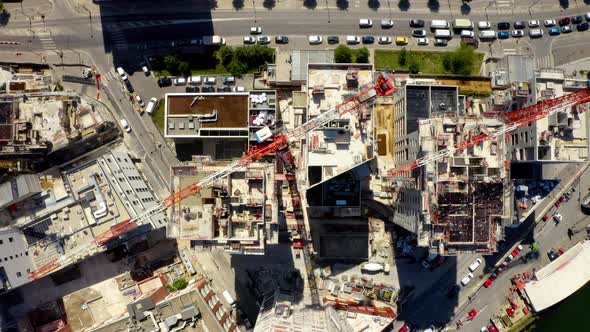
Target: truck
(213,40)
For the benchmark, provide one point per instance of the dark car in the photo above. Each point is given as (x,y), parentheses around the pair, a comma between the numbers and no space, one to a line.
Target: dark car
(440,42)
(552,255)
(519,25)
(503,26)
(554,31)
(471,41)
(129,86)
(577,19)
(208,89)
(564,21)
(368,39)
(419,33)
(281,39)
(164,81)
(582,27)
(566,29)
(417,23)
(192,89)
(503,35)
(333,40)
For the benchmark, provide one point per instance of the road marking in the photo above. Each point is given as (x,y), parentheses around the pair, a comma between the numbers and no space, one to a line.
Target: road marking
(545,62)
(509,51)
(504,3)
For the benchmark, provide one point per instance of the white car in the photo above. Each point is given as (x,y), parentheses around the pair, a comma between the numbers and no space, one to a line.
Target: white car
(384,40)
(558,217)
(210,80)
(365,23)
(151,106)
(255,30)
(386,24)
(483,25)
(466,279)
(125,125)
(139,101)
(467,34)
(249,40)
(533,24)
(422,41)
(549,23)
(315,40)
(145,70)
(475,265)
(517,33)
(195,80)
(179,81)
(353,40)
(122,73)
(263,40)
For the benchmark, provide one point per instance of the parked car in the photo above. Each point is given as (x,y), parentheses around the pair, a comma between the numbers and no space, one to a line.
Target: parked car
(263,40)
(503,35)
(255,30)
(440,42)
(180,81)
(211,80)
(386,24)
(129,86)
(549,23)
(475,264)
(333,40)
(488,282)
(419,33)
(139,101)
(566,29)
(557,217)
(471,41)
(195,80)
(407,327)
(467,34)
(365,23)
(417,23)
(422,41)
(492,328)
(249,40)
(145,70)
(315,40)
(533,24)
(554,32)
(151,105)
(384,40)
(552,255)
(281,39)
(401,40)
(229,80)
(484,25)
(207,89)
(192,89)
(564,21)
(125,125)
(587,16)
(577,19)
(582,27)
(164,81)
(368,39)
(122,73)
(517,33)
(466,279)
(503,26)
(519,25)
(353,40)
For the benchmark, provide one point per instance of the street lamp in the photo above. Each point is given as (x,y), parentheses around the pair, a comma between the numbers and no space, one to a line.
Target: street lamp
(328,8)
(531,6)
(486,9)
(254,7)
(90,19)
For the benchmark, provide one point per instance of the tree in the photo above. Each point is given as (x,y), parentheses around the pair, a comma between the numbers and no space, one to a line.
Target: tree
(362,55)
(461,60)
(184,68)
(179,284)
(342,54)
(2,5)
(171,63)
(402,56)
(226,55)
(414,67)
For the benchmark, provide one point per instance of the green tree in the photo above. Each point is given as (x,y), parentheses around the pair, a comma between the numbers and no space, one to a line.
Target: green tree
(342,54)
(179,284)
(184,68)
(236,67)
(1,5)
(402,57)
(226,55)
(461,60)
(414,67)
(362,55)
(171,63)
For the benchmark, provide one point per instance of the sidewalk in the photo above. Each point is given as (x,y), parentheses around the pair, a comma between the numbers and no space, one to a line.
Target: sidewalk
(28,10)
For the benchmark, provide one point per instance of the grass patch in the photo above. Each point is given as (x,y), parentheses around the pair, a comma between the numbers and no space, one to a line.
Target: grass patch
(158,116)
(428,62)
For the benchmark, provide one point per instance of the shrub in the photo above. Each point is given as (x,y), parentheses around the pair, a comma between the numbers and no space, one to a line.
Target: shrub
(402,56)
(414,67)
(179,284)
(362,55)
(342,54)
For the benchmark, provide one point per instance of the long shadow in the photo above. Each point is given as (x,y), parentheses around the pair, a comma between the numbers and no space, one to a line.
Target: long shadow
(465,9)
(135,30)
(238,4)
(565,4)
(343,4)
(374,4)
(404,5)
(433,5)
(310,4)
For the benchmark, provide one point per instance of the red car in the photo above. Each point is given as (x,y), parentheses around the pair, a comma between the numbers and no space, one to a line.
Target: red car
(488,282)
(515,252)
(406,328)
(492,328)
(546,217)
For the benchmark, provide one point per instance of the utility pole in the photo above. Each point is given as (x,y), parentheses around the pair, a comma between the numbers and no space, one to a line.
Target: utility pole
(254,8)
(90,19)
(328,8)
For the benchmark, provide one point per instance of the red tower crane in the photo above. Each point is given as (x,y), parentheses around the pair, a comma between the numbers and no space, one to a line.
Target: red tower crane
(383,86)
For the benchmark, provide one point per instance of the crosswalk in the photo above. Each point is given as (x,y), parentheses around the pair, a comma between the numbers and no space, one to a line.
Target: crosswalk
(509,51)
(545,62)
(504,3)
(109,76)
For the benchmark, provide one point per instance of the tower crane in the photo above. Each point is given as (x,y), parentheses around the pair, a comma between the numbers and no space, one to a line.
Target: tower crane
(383,86)
(513,120)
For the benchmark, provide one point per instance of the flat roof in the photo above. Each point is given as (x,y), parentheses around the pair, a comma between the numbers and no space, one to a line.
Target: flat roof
(560,278)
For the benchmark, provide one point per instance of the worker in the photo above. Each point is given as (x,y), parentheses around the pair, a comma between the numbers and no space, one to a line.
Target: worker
(570,233)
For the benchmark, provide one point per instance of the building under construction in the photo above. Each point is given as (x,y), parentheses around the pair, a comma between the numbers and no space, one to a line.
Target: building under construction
(454,204)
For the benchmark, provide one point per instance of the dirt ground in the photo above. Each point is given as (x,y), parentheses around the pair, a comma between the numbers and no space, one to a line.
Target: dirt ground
(384,129)
(479,86)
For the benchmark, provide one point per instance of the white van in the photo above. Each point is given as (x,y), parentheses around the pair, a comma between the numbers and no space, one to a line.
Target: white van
(229,299)
(151,106)
(487,34)
(353,40)
(365,23)
(439,24)
(442,33)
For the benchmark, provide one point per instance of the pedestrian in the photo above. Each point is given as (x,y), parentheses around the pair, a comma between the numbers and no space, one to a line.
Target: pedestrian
(570,233)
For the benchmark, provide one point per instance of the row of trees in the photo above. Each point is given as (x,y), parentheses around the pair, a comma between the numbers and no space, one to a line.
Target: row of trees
(344,54)
(242,59)
(461,60)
